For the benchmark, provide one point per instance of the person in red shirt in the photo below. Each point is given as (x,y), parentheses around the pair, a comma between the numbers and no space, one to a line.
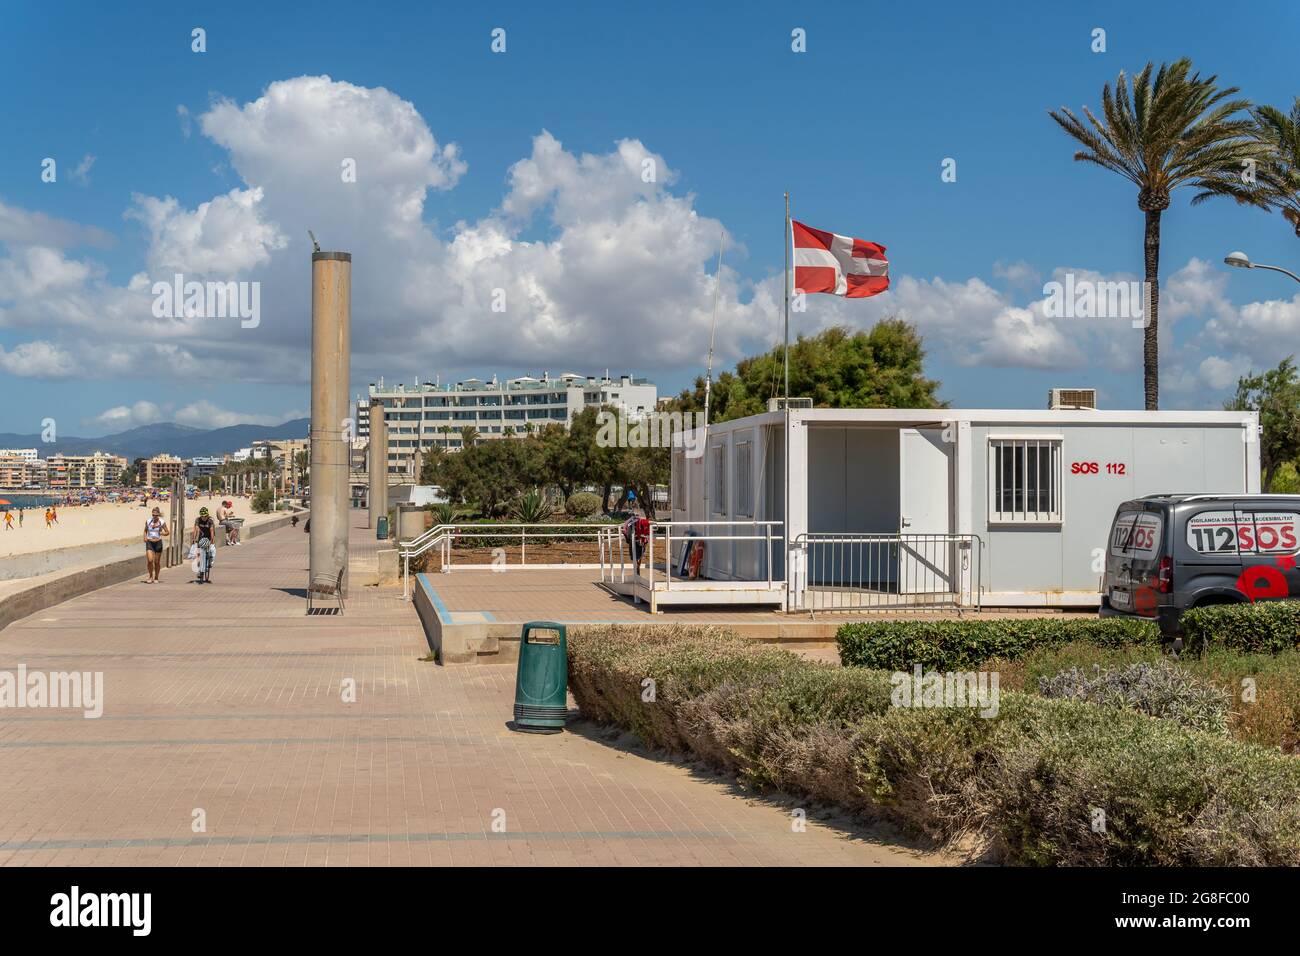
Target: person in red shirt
(637,532)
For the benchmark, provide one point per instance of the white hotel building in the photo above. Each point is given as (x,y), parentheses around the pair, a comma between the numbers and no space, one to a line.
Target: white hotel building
(426,415)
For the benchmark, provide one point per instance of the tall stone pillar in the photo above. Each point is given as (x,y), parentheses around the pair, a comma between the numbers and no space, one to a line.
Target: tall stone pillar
(331,353)
(377,467)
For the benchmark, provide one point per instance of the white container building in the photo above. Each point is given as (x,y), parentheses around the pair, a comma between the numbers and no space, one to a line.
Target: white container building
(992,507)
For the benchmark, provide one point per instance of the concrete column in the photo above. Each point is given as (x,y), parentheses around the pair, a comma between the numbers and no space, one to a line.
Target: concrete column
(377,466)
(331,353)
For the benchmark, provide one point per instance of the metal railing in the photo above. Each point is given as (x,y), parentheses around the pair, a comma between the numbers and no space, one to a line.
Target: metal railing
(446,536)
(856,572)
(669,543)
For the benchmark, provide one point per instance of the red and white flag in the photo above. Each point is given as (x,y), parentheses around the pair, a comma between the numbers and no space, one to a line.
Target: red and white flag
(840,265)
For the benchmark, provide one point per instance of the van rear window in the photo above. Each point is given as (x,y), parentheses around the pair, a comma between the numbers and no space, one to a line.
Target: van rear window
(1136,534)
(1241,532)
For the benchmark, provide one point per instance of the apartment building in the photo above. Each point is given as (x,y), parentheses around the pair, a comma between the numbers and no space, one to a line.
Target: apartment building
(283,453)
(18,472)
(162,470)
(85,471)
(426,415)
(26,454)
(203,466)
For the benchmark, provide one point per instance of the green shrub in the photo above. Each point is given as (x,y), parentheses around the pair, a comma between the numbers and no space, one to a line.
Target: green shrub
(532,507)
(1264,688)
(444,512)
(263,501)
(1170,796)
(960,645)
(1028,780)
(581,504)
(1159,689)
(1268,626)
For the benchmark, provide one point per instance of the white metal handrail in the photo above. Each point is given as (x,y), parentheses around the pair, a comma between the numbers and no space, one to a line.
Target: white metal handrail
(444,536)
(835,571)
(682,533)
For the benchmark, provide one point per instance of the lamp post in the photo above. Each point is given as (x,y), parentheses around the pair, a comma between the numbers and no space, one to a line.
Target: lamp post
(1239,260)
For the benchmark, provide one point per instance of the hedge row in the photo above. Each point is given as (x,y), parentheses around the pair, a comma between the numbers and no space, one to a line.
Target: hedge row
(1026,781)
(960,645)
(1264,688)
(1265,626)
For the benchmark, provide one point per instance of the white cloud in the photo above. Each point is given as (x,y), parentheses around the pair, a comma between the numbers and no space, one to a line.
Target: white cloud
(127,416)
(204,414)
(1221,374)
(37,359)
(81,175)
(224,237)
(18,227)
(1018,273)
(601,264)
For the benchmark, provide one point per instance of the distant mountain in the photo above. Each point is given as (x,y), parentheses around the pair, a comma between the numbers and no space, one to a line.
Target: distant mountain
(183,441)
(218,441)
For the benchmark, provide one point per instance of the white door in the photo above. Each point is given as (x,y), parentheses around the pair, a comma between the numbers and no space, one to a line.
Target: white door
(926,552)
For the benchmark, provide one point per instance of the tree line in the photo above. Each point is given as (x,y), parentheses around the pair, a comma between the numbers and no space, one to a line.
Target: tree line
(837,368)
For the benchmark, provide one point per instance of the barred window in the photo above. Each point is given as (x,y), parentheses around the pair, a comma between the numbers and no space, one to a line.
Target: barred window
(1025,480)
(744,480)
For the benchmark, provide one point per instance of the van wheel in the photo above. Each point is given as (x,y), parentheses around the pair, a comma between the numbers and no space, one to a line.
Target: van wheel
(1218,599)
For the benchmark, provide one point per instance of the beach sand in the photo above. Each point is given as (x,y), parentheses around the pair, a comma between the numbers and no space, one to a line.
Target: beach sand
(91,524)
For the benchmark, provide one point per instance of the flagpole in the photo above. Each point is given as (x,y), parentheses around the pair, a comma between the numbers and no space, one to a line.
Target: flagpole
(785,514)
(786,351)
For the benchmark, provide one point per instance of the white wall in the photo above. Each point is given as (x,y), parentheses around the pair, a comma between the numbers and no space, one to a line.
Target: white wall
(1051,559)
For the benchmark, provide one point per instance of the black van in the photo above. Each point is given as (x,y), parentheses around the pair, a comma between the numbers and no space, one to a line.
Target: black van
(1168,553)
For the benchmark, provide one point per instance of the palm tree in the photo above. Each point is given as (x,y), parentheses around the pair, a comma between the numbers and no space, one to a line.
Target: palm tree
(1276,184)
(1180,130)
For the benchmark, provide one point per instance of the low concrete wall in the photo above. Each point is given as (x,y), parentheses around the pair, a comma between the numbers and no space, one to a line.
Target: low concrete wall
(33,565)
(79,581)
(462,643)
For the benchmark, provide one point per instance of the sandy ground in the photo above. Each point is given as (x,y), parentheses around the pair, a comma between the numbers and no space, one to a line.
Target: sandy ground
(89,524)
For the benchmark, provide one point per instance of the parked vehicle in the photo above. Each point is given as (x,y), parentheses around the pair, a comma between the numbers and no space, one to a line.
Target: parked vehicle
(1169,553)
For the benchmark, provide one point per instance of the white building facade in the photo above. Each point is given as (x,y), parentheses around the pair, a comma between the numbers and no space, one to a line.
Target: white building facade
(428,415)
(999,507)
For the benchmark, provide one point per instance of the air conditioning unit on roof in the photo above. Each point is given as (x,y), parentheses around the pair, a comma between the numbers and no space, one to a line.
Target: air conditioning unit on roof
(1072,398)
(779,404)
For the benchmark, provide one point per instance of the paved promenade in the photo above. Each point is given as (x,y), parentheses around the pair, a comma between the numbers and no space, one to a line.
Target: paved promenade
(225,704)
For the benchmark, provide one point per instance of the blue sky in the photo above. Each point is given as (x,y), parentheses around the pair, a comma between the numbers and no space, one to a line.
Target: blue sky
(856,128)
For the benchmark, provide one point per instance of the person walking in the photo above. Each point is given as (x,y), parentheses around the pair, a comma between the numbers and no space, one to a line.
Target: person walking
(636,532)
(48,520)
(54,513)
(9,521)
(155,529)
(20,517)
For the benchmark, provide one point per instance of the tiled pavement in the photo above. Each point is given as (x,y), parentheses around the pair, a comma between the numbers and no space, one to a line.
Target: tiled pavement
(574,596)
(226,698)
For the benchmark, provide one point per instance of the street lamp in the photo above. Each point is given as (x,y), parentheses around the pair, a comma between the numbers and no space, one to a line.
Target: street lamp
(1240,260)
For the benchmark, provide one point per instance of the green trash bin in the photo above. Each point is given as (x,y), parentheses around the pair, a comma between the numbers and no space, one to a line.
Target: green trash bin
(542,680)
(381,528)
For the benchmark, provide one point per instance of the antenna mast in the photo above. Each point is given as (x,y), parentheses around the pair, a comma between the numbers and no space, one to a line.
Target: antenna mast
(713,329)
